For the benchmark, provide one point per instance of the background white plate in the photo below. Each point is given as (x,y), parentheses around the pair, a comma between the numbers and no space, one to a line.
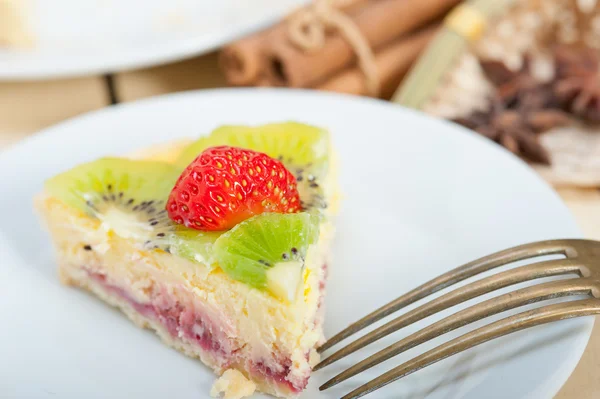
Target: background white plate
(421,197)
(81,37)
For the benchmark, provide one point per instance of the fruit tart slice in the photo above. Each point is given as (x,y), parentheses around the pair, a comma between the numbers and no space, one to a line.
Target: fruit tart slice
(220,245)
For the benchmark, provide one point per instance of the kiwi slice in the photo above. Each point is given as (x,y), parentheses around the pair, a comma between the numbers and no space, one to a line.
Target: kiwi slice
(290,142)
(303,149)
(268,251)
(129,197)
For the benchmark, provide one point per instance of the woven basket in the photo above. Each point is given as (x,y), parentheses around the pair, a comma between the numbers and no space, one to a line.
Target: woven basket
(447,81)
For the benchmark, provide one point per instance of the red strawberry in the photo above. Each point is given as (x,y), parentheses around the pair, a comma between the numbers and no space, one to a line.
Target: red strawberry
(226,185)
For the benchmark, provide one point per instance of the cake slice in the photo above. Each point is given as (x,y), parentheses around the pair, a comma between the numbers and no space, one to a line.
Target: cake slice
(245,295)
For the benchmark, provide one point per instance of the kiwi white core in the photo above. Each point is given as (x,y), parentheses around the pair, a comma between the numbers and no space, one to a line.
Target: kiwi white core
(284,278)
(125,224)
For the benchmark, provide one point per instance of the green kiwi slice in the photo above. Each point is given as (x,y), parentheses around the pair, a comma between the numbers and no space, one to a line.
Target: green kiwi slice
(129,197)
(303,149)
(268,251)
(290,142)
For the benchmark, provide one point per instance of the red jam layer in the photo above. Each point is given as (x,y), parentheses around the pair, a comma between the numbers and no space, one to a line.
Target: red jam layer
(178,320)
(197,329)
(279,377)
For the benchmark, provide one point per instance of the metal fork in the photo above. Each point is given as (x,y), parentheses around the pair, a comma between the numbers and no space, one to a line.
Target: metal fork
(582,259)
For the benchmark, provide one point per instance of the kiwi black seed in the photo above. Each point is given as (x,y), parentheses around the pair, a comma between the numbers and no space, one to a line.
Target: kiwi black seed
(292,254)
(309,187)
(311,193)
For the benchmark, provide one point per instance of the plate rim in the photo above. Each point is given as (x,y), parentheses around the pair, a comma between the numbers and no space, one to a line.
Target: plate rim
(552,384)
(133,58)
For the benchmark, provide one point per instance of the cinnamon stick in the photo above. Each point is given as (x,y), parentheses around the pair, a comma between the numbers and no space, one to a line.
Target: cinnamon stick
(242,61)
(393,61)
(380,22)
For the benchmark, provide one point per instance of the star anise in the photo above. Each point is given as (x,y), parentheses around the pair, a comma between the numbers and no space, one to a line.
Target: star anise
(517,129)
(577,81)
(519,89)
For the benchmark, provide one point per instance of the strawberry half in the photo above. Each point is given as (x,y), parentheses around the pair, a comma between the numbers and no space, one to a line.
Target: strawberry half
(226,185)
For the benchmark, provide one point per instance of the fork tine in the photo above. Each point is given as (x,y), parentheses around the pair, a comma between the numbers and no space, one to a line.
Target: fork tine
(454,276)
(518,322)
(511,300)
(459,295)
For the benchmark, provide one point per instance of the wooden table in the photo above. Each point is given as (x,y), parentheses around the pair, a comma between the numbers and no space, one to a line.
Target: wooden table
(26,107)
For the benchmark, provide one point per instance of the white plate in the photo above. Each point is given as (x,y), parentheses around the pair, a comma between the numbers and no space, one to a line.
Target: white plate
(421,196)
(82,37)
